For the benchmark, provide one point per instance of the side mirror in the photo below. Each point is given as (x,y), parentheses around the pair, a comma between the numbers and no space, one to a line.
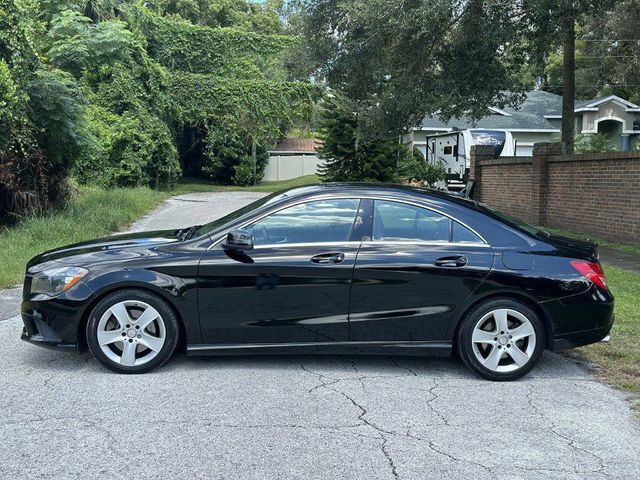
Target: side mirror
(238,240)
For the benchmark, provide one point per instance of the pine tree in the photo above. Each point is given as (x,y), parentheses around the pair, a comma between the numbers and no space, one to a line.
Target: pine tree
(347,154)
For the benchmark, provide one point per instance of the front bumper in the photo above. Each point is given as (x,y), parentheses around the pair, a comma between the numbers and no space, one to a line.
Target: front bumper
(54,322)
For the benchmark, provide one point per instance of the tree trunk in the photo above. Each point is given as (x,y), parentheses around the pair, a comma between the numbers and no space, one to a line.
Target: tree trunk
(568,77)
(254,157)
(411,142)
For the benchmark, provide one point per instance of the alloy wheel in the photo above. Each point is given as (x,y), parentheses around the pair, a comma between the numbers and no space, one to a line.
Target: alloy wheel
(504,340)
(131,333)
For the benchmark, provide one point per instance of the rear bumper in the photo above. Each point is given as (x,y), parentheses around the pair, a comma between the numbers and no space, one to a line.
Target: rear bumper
(580,319)
(578,339)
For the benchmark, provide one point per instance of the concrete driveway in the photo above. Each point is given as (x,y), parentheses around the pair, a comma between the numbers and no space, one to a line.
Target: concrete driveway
(63,416)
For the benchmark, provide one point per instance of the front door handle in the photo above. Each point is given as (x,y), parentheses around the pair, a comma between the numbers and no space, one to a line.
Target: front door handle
(328,258)
(456,261)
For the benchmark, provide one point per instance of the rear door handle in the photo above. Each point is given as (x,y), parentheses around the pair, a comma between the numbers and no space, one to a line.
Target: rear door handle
(328,258)
(456,261)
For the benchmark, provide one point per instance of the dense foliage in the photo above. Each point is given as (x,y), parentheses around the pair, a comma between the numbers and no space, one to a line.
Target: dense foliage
(350,156)
(130,93)
(594,143)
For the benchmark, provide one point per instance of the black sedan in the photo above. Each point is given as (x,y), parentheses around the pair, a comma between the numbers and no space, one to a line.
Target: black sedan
(332,268)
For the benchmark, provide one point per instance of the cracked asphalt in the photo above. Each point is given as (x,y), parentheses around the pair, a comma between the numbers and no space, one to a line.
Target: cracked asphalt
(64,416)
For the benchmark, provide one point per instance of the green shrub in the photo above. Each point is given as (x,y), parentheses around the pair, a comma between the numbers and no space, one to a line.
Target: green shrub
(228,156)
(593,143)
(417,168)
(131,150)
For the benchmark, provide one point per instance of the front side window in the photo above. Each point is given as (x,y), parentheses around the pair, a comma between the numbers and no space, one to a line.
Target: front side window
(313,222)
(393,221)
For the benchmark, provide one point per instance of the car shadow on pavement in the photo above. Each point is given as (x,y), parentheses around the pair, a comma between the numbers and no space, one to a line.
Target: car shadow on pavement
(551,365)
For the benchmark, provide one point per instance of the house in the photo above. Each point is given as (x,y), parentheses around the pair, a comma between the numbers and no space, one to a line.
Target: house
(539,119)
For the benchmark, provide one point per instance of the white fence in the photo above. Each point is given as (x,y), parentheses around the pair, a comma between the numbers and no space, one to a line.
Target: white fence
(290,165)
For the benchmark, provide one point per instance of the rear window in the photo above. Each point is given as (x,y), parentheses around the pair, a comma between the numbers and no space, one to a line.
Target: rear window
(513,222)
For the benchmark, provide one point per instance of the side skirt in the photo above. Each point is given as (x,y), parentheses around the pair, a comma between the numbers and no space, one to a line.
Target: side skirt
(438,349)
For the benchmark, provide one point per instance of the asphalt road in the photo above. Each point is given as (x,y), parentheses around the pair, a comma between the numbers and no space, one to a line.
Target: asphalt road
(63,416)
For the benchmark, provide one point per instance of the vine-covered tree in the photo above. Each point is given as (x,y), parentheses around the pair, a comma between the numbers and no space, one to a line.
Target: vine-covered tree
(42,124)
(116,90)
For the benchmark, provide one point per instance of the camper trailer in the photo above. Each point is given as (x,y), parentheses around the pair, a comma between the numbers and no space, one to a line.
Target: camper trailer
(453,149)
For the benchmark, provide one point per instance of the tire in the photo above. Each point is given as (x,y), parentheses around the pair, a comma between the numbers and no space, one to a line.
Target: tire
(132,331)
(483,339)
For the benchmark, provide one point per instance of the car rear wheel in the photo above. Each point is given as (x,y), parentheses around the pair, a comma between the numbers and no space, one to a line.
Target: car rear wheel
(132,331)
(501,339)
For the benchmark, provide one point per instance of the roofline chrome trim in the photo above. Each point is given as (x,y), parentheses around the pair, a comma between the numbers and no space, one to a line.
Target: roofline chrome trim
(363,196)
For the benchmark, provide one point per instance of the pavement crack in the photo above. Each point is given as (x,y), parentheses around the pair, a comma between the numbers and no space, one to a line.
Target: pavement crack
(434,448)
(387,455)
(434,397)
(568,440)
(396,364)
(382,433)
(571,442)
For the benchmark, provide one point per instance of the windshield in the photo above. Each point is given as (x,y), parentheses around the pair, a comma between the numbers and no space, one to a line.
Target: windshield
(493,138)
(213,226)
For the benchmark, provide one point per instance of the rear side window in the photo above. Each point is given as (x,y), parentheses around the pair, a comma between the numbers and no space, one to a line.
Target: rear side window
(394,221)
(399,221)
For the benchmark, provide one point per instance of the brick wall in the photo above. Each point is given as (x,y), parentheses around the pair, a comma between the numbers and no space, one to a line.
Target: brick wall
(514,192)
(595,194)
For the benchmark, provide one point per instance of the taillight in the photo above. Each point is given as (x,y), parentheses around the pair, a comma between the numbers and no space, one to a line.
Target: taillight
(591,271)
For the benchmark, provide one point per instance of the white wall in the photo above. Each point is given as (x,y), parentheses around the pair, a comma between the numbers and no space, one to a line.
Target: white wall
(285,167)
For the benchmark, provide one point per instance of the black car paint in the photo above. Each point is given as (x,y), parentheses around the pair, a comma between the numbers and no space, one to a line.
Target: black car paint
(276,300)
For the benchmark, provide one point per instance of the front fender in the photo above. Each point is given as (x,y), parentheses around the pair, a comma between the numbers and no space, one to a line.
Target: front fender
(179,292)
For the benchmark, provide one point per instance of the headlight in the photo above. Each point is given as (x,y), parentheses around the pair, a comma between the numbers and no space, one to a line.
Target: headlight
(54,281)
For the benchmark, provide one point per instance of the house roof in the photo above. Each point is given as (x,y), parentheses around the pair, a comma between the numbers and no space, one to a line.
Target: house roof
(530,116)
(533,114)
(296,145)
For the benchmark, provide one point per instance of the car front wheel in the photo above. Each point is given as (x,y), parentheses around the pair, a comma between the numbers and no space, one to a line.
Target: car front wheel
(501,339)
(132,331)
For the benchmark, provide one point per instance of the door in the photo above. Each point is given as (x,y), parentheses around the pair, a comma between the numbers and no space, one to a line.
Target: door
(418,267)
(293,286)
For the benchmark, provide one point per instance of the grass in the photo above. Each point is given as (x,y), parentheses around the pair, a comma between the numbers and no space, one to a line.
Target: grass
(618,362)
(194,185)
(605,243)
(94,212)
(97,212)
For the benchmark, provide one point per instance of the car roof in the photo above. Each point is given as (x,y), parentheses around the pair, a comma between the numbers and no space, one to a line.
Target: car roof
(373,188)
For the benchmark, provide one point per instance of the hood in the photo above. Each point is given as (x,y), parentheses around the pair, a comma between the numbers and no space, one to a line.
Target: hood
(124,245)
(572,247)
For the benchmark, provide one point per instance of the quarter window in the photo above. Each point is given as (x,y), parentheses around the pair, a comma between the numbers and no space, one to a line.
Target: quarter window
(463,234)
(313,222)
(393,221)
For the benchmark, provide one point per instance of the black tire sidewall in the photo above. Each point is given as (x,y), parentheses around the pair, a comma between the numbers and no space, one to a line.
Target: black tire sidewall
(465,332)
(166,312)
